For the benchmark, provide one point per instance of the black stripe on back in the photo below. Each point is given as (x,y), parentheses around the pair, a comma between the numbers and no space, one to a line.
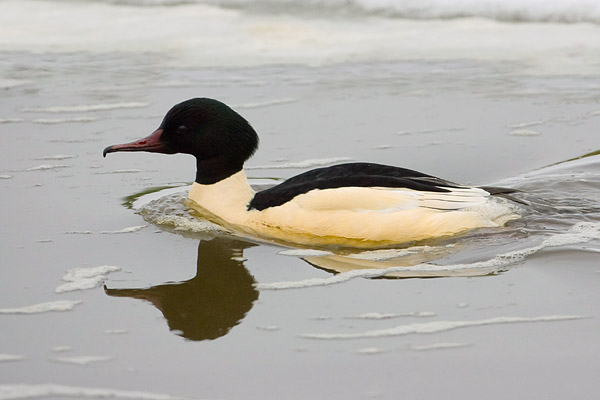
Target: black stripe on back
(348,175)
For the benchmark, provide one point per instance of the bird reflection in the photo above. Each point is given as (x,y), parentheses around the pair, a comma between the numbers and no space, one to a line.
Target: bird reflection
(207,306)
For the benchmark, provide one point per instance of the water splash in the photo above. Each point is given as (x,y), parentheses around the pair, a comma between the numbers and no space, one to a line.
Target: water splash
(561,209)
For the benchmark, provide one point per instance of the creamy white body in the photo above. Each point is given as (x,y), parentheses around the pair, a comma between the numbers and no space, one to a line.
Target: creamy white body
(351,216)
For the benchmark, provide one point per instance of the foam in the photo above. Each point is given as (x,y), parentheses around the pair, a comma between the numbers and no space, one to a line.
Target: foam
(525,132)
(305,253)
(266,103)
(123,171)
(528,124)
(28,391)
(86,107)
(581,232)
(439,326)
(268,328)
(164,197)
(54,121)
(369,351)
(378,316)
(166,208)
(116,331)
(10,357)
(50,306)
(57,157)
(438,346)
(46,167)
(388,254)
(85,278)
(75,140)
(61,349)
(567,11)
(301,164)
(130,229)
(6,176)
(10,120)
(82,360)
(186,224)
(253,34)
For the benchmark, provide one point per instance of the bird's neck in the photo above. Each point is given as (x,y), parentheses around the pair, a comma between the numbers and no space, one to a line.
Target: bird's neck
(215,170)
(226,199)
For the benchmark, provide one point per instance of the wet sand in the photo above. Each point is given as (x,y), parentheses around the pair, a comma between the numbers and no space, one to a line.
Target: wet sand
(185,316)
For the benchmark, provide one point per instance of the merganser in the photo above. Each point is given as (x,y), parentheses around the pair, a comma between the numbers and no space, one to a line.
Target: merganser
(363,205)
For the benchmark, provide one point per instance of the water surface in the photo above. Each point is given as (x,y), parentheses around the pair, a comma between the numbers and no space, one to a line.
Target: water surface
(110,288)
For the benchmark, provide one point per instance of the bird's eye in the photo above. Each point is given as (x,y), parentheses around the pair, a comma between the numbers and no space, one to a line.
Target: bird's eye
(182,129)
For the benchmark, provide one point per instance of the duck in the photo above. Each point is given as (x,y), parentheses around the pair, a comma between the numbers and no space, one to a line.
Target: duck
(357,204)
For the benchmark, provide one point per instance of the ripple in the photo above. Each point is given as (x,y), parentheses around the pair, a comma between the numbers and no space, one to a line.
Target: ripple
(82,360)
(87,107)
(10,120)
(10,357)
(54,121)
(46,167)
(525,132)
(439,326)
(57,157)
(26,391)
(51,306)
(438,346)
(265,103)
(124,171)
(318,162)
(378,316)
(579,233)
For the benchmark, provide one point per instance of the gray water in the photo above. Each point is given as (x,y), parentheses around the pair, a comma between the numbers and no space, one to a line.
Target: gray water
(195,312)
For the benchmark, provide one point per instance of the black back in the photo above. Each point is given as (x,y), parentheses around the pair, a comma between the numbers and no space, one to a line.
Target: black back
(348,175)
